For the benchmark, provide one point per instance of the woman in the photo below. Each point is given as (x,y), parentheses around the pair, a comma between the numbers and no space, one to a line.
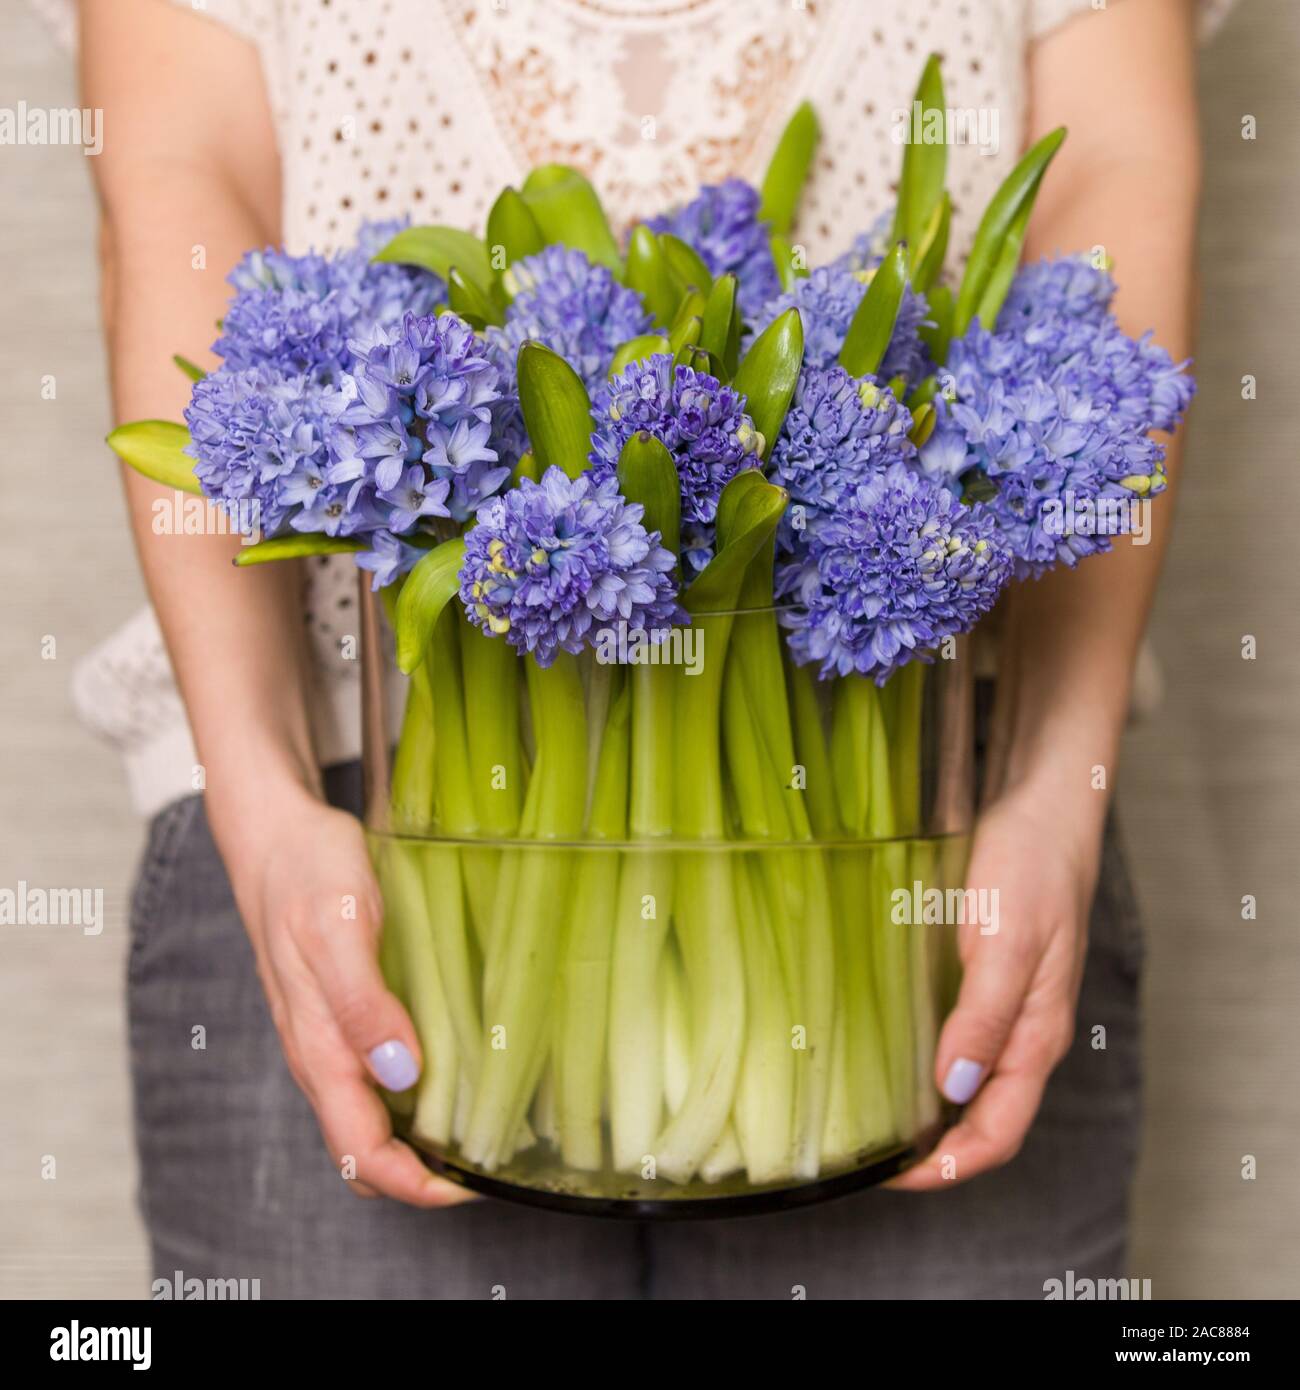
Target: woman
(290,122)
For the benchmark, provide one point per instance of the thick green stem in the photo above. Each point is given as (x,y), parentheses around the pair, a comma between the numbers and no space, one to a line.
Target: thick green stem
(705,916)
(518,1021)
(923,867)
(642,912)
(800,901)
(583,1012)
(765,1091)
(443,866)
(494,761)
(890,938)
(406,916)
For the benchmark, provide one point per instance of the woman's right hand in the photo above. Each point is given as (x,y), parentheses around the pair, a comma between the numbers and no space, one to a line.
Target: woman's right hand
(313,911)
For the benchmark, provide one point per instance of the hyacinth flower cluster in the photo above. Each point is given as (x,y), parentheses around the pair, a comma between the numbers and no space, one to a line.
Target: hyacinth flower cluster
(576,308)
(723,223)
(297,314)
(1046,420)
(880,562)
(549,562)
(701,422)
(827,300)
(899,567)
(637,904)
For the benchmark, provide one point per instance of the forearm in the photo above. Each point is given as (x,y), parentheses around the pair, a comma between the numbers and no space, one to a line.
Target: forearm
(189,181)
(1071,639)
(235,637)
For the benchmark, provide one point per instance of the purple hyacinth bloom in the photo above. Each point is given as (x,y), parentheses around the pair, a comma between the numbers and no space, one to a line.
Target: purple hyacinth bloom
(901,566)
(827,300)
(699,421)
(426,394)
(574,307)
(837,433)
(549,564)
(721,224)
(298,312)
(260,441)
(869,248)
(1048,418)
(1070,285)
(388,559)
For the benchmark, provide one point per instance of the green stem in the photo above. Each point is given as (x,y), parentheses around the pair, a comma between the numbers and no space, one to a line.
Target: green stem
(890,938)
(800,902)
(763,1113)
(643,910)
(705,917)
(812,754)
(494,762)
(443,867)
(406,916)
(583,1012)
(518,1022)
(922,867)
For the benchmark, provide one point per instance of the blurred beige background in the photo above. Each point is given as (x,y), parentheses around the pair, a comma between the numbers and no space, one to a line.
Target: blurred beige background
(1209,794)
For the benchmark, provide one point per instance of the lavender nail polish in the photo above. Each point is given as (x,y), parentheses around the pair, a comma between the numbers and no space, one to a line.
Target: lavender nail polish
(394,1066)
(963,1080)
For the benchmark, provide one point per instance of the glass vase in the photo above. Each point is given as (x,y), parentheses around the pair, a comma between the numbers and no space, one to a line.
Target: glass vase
(674,921)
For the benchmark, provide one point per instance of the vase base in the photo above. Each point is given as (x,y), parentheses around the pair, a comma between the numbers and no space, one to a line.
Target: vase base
(733,1198)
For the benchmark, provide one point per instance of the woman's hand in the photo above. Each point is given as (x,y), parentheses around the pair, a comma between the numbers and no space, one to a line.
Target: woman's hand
(1014,1018)
(313,911)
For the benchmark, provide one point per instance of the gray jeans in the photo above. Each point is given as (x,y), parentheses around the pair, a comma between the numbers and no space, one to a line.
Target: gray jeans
(235,1182)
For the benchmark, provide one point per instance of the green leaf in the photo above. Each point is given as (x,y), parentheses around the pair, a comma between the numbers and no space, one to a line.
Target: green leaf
(652,276)
(648,475)
(153,447)
(690,306)
(525,467)
(698,360)
(925,162)
(426,591)
(295,547)
(783,255)
(787,173)
(924,420)
(438,249)
(924,393)
(512,234)
(471,303)
(686,334)
(1004,271)
(978,487)
(873,323)
(569,212)
(1013,200)
(748,512)
(556,410)
(938,337)
(686,263)
(720,328)
(927,262)
(637,350)
(768,374)
(191,370)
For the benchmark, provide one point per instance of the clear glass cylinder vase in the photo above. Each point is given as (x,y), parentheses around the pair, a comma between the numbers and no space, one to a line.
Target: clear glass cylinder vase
(669,918)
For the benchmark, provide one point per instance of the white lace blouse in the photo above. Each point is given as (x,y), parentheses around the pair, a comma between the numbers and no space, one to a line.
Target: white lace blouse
(429,107)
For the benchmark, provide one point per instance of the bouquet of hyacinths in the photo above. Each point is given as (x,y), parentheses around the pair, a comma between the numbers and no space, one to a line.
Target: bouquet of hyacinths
(669,531)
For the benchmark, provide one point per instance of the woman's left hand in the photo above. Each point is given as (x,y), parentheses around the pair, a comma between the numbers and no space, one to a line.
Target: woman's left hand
(1014,1018)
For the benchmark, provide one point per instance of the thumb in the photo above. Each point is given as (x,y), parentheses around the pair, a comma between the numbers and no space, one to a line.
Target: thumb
(997,974)
(370,1017)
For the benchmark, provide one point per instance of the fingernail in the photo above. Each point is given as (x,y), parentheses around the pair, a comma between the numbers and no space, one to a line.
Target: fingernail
(963,1080)
(394,1066)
